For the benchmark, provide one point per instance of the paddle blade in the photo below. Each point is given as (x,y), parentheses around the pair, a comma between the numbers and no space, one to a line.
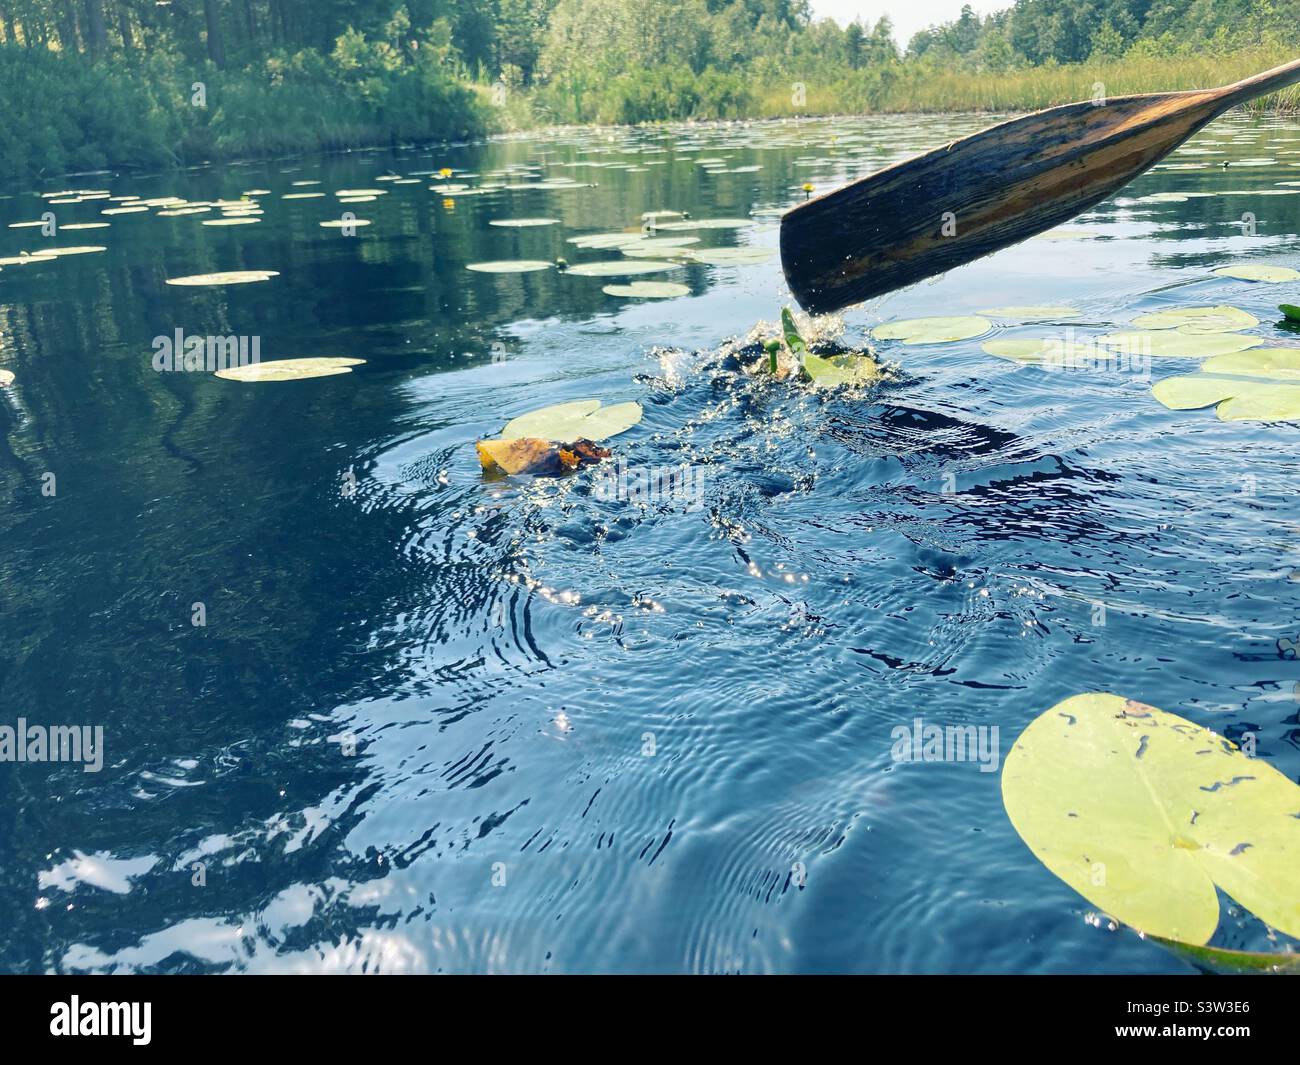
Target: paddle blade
(977,195)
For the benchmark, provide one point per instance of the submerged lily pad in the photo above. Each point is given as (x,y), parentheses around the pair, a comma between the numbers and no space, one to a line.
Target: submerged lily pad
(1049,351)
(1144,813)
(621,268)
(1256,272)
(1174,343)
(583,419)
(524,223)
(510,266)
(832,371)
(1219,319)
(289,369)
(648,289)
(1030,314)
(1258,386)
(933,330)
(229,277)
(730,256)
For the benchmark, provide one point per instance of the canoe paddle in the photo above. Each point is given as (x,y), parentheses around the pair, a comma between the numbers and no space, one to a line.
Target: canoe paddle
(991,189)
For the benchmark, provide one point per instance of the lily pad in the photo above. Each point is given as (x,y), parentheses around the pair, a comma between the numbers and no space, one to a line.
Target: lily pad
(730,256)
(605,240)
(1258,386)
(1291,312)
(620,268)
(707,223)
(648,289)
(341,223)
(1198,320)
(510,266)
(1254,272)
(231,220)
(1145,813)
(6,378)
(289,369)
(1030,314)
(524,223)
(933,330)
(1177,344)
(583,419)
(229,277)
(1047,351)
(77,249)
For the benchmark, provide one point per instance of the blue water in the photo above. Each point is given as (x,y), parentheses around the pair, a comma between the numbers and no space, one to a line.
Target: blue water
(592,733)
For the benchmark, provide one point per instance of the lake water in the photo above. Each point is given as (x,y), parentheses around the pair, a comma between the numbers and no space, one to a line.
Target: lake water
(433,721)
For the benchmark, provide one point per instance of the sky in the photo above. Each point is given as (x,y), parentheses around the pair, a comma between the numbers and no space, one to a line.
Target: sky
(908,16)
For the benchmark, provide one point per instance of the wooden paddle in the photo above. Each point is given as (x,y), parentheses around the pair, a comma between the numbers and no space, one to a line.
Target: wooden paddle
(989,190)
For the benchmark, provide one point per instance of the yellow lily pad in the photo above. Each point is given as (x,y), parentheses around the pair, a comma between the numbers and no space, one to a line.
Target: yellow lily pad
(1259,272)
(1258,386)
(1145,813)
(933,330)
(1198,320)
(289,369)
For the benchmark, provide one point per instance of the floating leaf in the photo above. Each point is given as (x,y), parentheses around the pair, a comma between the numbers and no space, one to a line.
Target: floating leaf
(341,223)
(78,249)
(289,369)
(606,240)
(583,419)
(510,266)
(524,223)
(1254,272)
(1259,386)
(1291,312)
(1048,351)
(731,256)
(1143,813)
(230,277)
(620,268)
(707,223)
(1219,960)
(231,220)
(1177,344)
(933,330)
(1198,320)
(1030,314)
(6,378)
(833,371)
(648,289)
(536,456)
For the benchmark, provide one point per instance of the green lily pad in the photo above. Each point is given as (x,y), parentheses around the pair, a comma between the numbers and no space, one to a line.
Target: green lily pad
(583,419)
(510,266)
(1219,960)
(288,369)
(835,370)
(1291,312)
(1177,344)
(1144,813)
(1198,320)
(790,333)
(620,268)
(658,290)
(1254,272)
(605,240)
(1258,386)
(933,330)
(1029,314)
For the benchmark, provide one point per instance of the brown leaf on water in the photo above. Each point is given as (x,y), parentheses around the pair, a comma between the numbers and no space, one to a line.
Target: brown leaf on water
(538,457)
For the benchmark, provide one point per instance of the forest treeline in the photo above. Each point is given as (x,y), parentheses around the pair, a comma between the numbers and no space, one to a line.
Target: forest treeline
(153,83)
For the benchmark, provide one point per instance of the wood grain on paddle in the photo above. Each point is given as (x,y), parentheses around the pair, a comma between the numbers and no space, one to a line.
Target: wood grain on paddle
(994,188)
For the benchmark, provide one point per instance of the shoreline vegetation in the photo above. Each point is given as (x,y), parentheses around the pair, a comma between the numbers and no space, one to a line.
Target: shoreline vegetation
(149,85)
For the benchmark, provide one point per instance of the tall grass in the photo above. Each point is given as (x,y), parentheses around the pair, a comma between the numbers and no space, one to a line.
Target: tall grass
(921,89)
